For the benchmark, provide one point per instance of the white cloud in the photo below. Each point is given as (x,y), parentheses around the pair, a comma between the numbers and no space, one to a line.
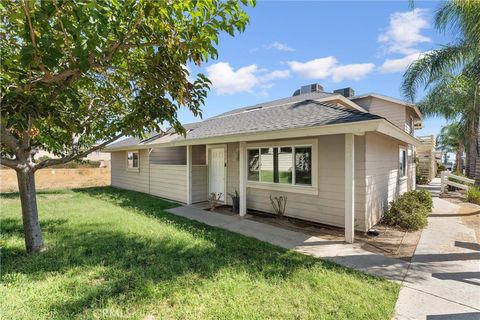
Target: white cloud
(314,69)
(404,31)
(226,80)
(323,68)
(351,71)
(401,64)
(276,74)
(280,46)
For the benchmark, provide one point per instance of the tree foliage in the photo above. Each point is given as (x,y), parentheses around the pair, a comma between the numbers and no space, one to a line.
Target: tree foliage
(76,72)
(461,18)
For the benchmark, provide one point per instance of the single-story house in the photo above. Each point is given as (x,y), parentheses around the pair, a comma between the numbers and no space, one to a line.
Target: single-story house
(339,158)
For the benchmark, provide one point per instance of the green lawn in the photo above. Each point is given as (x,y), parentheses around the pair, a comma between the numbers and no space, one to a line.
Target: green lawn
(118,254)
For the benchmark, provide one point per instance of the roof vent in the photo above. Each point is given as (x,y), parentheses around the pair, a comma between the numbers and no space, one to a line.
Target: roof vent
(346,92)
(314,87)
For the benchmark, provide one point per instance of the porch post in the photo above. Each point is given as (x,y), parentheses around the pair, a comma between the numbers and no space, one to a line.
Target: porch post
(243,178)
(349,187)
(189,175)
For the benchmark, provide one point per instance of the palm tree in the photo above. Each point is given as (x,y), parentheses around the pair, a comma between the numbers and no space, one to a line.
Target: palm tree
(452,139)
(461,57)
(453,97)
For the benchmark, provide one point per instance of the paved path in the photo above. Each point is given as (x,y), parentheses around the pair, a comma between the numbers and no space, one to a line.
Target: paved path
(350,255)
(443,281)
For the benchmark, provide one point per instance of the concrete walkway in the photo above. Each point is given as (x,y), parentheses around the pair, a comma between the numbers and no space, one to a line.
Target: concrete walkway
(443,281)
(350,255)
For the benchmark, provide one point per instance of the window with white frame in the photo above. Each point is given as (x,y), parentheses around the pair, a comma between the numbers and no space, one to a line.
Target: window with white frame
(289,165)
(132,160)
(402,162)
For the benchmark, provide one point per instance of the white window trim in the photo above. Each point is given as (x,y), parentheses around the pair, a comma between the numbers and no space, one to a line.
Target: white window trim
(405,175)
(313,189)
(126,161)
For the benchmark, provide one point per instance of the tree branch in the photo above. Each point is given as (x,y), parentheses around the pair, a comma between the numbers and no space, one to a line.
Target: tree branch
(75,155)
(38,59)
(11,163)
(8,139)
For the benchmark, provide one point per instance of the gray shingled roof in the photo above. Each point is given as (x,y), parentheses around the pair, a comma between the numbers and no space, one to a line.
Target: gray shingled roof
(263,118)
(302,97)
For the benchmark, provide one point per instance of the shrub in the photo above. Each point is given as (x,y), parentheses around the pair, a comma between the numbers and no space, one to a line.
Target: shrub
(410,211)
(422,179)
(473,195)
(423,196)
(440,168)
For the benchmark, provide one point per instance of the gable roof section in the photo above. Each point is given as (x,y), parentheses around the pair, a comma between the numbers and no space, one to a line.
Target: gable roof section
(302,114)
(387,98)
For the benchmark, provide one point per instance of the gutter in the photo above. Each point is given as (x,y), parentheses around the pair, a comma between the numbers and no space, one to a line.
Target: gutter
(380,125)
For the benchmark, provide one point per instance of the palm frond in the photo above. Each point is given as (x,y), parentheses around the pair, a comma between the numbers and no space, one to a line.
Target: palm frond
(435,64)
(461,17)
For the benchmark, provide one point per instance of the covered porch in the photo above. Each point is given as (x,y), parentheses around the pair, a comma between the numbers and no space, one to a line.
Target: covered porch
(323,193)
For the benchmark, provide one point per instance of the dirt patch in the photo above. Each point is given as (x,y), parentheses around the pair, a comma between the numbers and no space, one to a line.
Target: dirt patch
(58,178)
(469,213)
(390,242)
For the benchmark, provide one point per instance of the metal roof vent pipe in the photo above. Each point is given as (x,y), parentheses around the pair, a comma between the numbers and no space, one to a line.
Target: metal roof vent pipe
(314,87)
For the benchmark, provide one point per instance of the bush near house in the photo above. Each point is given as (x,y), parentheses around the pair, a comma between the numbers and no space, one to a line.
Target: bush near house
(422,179)
(473,195)
(410,211)
(440,168)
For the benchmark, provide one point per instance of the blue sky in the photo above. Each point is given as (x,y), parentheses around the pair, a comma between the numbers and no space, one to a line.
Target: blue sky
(363,45)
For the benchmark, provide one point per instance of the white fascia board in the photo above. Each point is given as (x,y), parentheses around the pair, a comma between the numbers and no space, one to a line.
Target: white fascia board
(356,127)
(344,100)
(395,132)
(394,100)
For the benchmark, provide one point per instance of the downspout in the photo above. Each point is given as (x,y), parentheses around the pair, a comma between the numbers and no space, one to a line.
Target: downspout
(149,152)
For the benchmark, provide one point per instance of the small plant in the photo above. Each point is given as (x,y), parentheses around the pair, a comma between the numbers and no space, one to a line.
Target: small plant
(279,205)
(213,199)
(235,201)
(440,168)
(422,180)
(473,195)
(410,211)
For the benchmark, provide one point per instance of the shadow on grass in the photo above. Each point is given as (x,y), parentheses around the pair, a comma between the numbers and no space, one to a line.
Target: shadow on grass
(131,263)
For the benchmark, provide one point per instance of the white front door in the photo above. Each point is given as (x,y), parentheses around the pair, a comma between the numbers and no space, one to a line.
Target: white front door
(216,172)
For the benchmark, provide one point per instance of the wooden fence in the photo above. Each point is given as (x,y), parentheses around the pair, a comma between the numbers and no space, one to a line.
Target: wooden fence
(446,181)
(58,178)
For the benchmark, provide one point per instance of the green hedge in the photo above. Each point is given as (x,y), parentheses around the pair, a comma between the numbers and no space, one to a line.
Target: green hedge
(410,210)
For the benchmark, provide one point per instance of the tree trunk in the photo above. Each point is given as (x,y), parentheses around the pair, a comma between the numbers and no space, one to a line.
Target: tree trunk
(28,199)
(458,157)
(467,161)
(472,150)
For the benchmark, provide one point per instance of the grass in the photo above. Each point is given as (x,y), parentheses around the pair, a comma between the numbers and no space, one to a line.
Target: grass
(117,254)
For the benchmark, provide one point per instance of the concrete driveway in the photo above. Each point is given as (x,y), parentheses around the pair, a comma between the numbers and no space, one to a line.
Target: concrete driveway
(443,280)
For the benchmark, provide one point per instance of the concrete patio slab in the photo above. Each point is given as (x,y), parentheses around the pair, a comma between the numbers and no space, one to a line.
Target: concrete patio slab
(350,255)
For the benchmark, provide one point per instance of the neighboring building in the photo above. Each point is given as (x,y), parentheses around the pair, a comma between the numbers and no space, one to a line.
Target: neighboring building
(340,159)
(100,156)
(427,157)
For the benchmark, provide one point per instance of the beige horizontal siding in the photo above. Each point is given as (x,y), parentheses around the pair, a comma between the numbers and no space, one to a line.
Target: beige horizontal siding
(382,182)
(393,112)
(199,183)
(169,155)
(233,170)
(328,206)
(169,181)
(126,179)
